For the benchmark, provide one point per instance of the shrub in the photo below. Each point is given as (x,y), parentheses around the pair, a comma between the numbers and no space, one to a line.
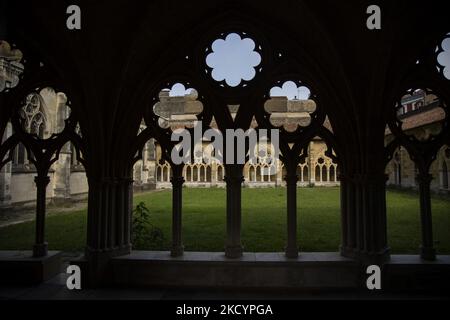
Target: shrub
(143,233)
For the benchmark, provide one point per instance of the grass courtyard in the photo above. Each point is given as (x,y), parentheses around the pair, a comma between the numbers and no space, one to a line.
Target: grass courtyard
(263,221)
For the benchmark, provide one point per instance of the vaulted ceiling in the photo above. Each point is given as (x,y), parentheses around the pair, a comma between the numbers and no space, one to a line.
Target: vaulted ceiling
(125,49)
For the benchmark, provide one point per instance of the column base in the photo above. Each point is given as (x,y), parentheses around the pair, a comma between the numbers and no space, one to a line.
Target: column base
(20,268)
(379,257)
(95,265)
(233,252)
(177,251)
(40,250)
(427,253)
(291,252)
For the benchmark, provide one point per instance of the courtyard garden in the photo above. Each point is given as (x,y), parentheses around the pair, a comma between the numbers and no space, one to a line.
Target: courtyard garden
(263,222)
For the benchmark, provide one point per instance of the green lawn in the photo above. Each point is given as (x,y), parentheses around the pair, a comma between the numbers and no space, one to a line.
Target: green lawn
(263,221)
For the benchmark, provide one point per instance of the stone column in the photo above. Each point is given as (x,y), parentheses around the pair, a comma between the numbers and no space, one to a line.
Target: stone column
(109,224)
(151,165)
(279,177)
(62,175)
(348,229)
(177,181)
(214,173)
(312,167)
(233,179)
(5,185)
(40,247)
(291,178)
(427,251)
(62,165)
(363,207)
(5,174)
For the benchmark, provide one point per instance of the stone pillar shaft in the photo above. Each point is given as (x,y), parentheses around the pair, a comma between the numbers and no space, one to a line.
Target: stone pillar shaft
(233,179)
(40,247)
(177,181)
(363,206)
(291,178)
(427,251)
(109,224)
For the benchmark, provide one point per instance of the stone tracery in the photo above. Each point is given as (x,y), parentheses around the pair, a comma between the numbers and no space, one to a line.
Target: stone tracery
(347,123)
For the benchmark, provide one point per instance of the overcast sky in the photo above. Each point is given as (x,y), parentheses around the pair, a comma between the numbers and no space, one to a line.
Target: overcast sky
(233,59)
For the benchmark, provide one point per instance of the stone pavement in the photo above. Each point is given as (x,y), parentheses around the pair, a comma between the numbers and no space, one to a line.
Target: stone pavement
(55,289)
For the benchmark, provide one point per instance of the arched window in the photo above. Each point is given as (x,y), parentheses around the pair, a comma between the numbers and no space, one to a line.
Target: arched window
(318,174)
(252,174)
(159,174)
(189,173)
(164,174)
(258,173)
(299,173)
(19,155)
(305,173)
(202,173)
(33,115)
(397,174)
(208,174)
(73,158)
(444,175)
(332,174)
(196,175)
(264,174)
(219,173)
(324,173)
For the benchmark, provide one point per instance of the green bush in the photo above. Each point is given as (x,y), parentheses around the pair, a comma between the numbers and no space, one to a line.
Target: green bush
(144,234)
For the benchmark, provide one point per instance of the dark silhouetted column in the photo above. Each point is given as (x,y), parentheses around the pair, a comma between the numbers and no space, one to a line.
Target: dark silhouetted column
(40,247)
(291,178)
(363,202)
(177,204)
(427,252)
(233,179)
(109,224)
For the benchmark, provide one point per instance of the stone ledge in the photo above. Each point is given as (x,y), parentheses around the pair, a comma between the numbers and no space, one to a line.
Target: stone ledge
(410,272)
(19,267)
(317,270)
(263,257)
(253,270)
(410,259)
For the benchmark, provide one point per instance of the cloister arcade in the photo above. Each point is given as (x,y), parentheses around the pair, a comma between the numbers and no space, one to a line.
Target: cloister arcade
(115,77)
(201,174)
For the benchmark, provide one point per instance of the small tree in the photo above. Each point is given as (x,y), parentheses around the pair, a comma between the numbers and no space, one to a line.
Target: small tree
(144,234)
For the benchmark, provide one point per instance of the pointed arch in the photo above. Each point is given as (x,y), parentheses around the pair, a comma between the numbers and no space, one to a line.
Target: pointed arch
(444,175)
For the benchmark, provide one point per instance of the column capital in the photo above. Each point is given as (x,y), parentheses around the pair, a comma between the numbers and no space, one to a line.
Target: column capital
(424,178)
(42,180)
(177,180)
(109,181)
(366,178)
(291,179)
(427,253)
(40,249)
(177,251)
(234,179)
(233,251)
